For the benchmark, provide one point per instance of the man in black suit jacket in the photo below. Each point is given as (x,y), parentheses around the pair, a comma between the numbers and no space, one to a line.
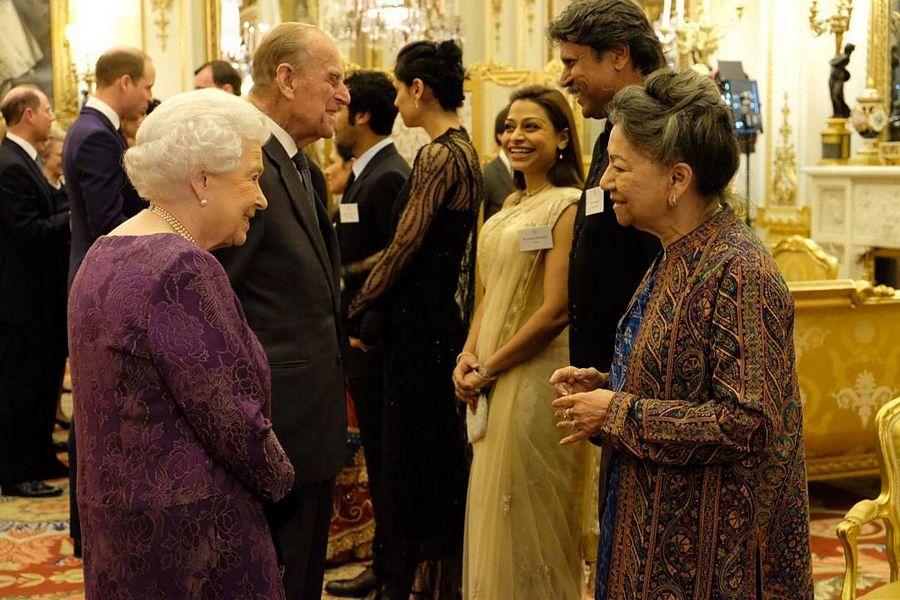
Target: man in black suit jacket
(605,45)
(287,276)
(34,233)
(100,195)
(364,230)
(498,179)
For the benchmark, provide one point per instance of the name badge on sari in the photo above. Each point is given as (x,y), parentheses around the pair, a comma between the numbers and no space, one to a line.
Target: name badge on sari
(350,213)
(535,238)
(593,201)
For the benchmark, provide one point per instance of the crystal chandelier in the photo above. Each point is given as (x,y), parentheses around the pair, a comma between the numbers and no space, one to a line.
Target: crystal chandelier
(387,25)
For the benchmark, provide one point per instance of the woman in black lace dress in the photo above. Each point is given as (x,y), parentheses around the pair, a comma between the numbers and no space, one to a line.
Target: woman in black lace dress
(422,290)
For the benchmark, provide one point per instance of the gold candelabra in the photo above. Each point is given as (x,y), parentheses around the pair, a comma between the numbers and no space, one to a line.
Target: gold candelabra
(837,24)
(696,42)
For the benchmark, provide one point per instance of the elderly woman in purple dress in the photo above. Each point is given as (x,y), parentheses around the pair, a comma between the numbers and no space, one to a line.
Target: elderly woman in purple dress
(172,387)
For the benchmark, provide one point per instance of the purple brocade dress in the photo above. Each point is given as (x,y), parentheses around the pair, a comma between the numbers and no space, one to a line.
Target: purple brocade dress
(176,450)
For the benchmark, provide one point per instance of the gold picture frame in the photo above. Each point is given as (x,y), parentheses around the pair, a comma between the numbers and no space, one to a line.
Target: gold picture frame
(882,26)
(65,81)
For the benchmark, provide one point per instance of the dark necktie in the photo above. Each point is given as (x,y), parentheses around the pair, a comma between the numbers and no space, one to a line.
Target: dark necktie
(350,181)
(302,165)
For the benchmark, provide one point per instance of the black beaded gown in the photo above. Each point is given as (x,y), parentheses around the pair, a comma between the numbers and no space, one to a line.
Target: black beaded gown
(423,287)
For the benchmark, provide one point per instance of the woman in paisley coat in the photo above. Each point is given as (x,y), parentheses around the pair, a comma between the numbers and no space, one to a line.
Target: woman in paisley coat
(703,477)
(176,449)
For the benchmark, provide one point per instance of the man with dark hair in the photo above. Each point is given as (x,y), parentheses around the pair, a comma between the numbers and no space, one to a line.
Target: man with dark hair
(364,230)
(604,45)
(498,181)
(100,195)
(34,235)
(220,74)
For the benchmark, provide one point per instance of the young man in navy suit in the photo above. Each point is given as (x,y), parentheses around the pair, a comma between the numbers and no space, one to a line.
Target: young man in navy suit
(100,194)
(34,233)
(364,230)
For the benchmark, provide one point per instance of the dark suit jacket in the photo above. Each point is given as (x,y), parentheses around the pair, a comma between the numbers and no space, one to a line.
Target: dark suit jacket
(606,265)
(375,191)
(100,194)
(34,236)
(287,278)
(498,185)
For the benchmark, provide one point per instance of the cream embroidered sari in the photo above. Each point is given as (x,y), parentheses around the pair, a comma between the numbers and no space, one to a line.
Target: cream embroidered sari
(526,507)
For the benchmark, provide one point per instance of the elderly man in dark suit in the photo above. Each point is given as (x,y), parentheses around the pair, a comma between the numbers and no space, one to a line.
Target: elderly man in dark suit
(498,174)
(100,195)
(287,276)
(604,46)
(34,235)
(364,231)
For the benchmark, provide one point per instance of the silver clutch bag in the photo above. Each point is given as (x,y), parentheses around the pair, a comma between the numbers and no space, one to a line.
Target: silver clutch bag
(476,422)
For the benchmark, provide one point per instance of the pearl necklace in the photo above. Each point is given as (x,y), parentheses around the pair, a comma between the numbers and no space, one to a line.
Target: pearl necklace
(172,222)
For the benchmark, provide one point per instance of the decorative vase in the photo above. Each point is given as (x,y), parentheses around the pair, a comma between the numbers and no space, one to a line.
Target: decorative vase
(869,119)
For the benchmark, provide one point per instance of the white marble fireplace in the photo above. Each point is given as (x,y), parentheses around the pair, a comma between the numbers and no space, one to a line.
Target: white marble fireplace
(854,209)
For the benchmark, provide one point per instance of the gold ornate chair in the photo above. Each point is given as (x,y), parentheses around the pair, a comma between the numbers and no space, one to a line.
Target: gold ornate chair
(886,507)
(801,259)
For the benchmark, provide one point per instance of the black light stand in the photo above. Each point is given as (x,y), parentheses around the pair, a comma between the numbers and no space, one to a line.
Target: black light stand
(740,94)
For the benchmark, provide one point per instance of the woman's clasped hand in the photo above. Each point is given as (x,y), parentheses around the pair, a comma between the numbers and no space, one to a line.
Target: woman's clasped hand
(581,402)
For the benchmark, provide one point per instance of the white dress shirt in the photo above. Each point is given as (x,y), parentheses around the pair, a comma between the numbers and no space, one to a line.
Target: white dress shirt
(107,111)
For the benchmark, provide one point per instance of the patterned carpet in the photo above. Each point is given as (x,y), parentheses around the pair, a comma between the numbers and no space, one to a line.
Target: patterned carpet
(36,555)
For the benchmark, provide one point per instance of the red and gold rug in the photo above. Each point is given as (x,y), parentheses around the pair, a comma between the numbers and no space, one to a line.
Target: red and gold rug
(36,555)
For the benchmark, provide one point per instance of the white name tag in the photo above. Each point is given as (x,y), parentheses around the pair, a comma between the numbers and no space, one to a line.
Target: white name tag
(350,213)
(535,238)
(593,201)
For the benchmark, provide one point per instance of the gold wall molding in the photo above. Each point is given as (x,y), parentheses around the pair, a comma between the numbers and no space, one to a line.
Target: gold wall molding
(784,180)
(879,52)
(161,10)
(212,11)
(65,81)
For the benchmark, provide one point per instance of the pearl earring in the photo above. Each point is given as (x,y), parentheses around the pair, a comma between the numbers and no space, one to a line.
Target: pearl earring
(204,202)
(560,154)
(673,201)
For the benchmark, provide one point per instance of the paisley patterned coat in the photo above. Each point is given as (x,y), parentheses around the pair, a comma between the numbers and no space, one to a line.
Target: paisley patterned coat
(712,499)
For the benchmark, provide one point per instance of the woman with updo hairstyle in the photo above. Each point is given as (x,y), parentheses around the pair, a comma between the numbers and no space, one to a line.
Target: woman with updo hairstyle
(703,475)
(176,450)
(416,303)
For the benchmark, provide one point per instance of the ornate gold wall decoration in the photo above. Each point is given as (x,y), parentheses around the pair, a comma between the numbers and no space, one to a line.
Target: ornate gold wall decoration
(529,16)
(496,20)
(784,180)
(782,217)
(161,9)
(879,51)
(65,80)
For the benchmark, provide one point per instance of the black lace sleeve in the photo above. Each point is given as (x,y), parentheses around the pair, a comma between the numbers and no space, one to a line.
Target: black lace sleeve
(434,174)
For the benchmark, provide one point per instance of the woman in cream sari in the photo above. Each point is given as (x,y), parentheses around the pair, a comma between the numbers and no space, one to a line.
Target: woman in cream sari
(524,511)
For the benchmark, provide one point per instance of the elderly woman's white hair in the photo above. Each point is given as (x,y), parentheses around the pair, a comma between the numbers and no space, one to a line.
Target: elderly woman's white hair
(201,130)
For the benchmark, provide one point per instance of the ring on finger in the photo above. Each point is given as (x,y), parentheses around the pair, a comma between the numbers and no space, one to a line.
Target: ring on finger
(574,423)
(568,414)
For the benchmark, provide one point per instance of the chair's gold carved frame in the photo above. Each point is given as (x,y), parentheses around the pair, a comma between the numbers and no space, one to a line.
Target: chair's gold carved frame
(884,507)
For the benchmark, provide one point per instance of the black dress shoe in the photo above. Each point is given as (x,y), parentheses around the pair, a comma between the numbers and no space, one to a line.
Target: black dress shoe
(357,587)
(63,424)
(31,489)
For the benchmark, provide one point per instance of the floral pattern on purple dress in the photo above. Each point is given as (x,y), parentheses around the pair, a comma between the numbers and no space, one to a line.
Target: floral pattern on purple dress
(176,449)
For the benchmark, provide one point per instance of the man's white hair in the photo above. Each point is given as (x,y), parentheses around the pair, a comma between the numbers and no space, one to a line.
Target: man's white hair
(201,130)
